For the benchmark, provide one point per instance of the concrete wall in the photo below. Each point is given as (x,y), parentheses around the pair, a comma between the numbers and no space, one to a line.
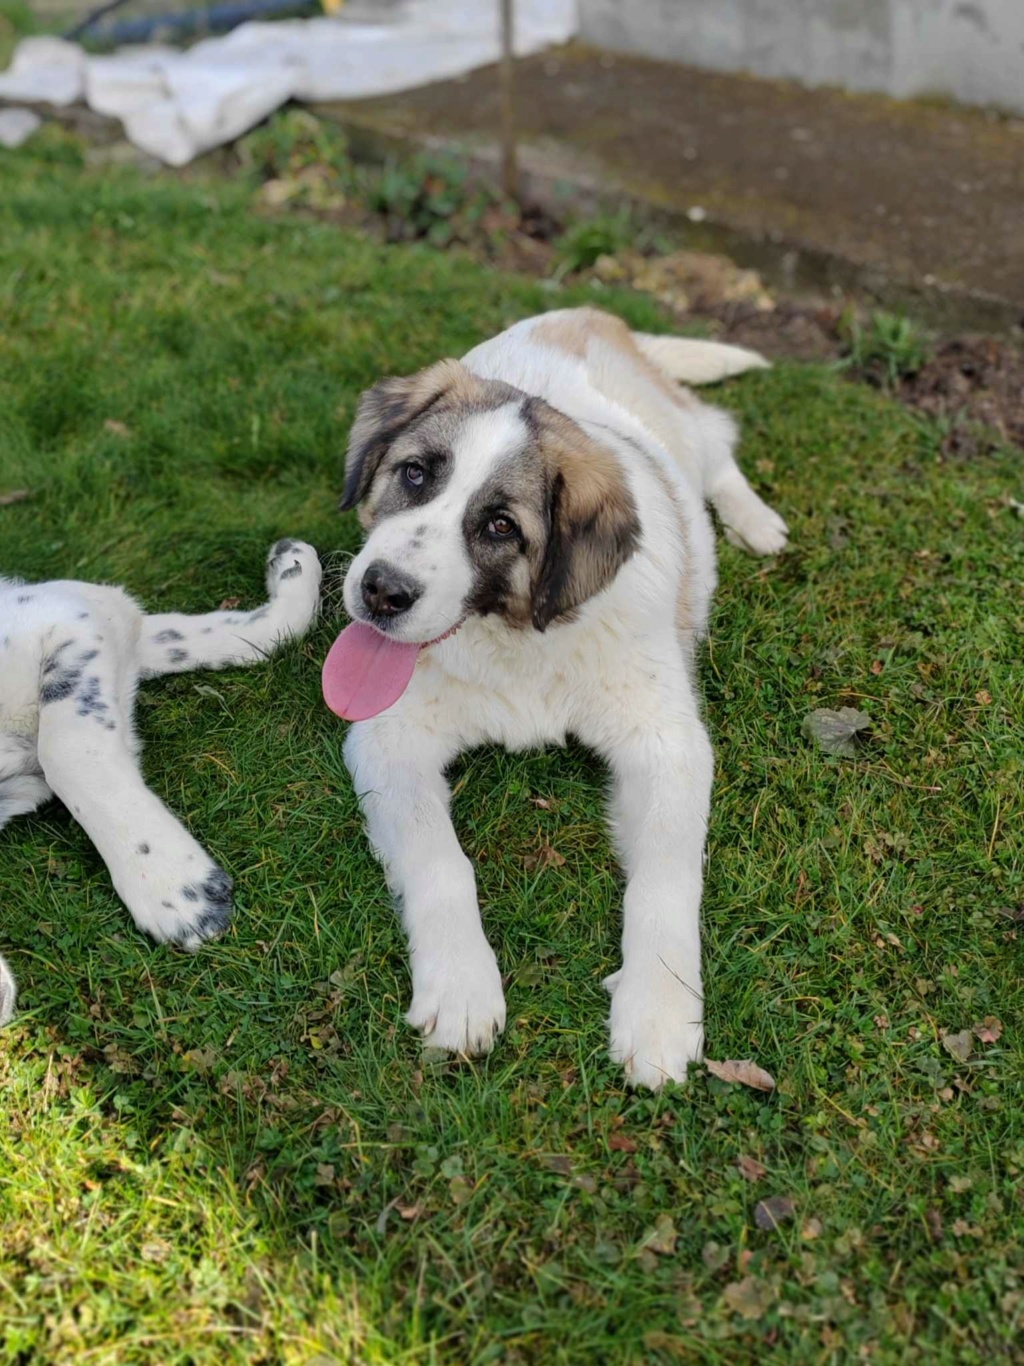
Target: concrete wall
(971,50)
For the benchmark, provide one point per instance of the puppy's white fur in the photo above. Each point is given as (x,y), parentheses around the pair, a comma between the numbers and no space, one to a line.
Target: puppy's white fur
(71,657)
(618,675)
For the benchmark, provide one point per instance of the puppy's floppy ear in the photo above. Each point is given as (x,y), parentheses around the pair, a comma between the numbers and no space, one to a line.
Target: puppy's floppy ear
(383,414)
(593,527)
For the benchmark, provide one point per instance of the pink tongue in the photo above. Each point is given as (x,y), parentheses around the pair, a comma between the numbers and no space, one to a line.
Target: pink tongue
(365,673)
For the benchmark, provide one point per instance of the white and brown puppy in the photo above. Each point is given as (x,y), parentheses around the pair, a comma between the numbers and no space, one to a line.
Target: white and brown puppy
(71,656)
(540,563)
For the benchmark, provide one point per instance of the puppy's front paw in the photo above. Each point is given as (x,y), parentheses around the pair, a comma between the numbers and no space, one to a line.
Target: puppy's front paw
(656,1025)
(458,1002)
(174,891)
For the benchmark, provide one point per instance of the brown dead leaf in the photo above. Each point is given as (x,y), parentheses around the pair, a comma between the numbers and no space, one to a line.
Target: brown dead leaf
(959,1045)
(989,1031)
(229,604)
(744,1071)
(983,698)
(750,1297)
(812,1230)
(544,857)
(544,803)
(876,667)
(116,428)
(409,1212)
(662,1238)
(556,1162)
(933,1221)
(775,1210)
(750,1168)
(622,1143)
(14,496)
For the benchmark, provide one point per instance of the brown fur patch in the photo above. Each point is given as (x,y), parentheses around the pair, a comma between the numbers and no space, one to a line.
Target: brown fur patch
(387,409)
(593,527)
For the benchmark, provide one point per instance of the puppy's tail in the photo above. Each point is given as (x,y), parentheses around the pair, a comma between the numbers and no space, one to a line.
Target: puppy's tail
(698,362)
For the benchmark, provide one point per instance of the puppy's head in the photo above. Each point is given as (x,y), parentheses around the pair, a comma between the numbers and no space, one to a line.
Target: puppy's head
(478,499)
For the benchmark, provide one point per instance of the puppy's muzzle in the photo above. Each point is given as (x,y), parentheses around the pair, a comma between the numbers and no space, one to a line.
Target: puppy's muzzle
(388,591)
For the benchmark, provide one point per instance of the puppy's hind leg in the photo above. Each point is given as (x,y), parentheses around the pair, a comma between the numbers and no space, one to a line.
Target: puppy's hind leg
(174,642)
(748,520)
(173,889)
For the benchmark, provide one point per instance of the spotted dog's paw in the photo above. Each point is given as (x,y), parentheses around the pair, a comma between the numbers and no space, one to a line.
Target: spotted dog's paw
(174,891)
(8,994)
(458,1003)
(293,585)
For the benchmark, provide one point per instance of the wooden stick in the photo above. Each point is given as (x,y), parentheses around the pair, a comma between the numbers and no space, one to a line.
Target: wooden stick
(509,168)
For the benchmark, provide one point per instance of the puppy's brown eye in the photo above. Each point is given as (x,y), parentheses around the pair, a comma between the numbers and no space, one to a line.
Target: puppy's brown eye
(502,528)
(413,474)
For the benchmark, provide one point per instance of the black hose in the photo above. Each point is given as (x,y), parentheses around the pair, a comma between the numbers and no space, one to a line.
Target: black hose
(216,19)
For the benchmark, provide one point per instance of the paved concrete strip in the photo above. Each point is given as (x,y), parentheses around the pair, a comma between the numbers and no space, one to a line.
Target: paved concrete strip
(930,197)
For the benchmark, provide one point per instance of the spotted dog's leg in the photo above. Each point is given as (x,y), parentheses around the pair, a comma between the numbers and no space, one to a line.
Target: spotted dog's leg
(173,889)
(8,994)
(173,642)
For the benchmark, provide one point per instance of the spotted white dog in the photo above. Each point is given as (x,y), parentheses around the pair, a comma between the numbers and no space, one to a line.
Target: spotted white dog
(71,657)
(540,563)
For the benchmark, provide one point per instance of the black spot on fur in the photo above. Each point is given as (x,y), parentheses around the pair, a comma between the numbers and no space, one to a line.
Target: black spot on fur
(24,597)
(217,888)
(165,637)
(259,614)
(89,701)
(167,905)
(190,894)
(60,688)
(177,656)
(292,573)
(83,616)
(143,848)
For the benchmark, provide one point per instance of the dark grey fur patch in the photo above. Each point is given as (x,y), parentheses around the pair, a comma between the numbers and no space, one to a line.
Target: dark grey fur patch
(88,698)
(190,894)
(165,637)
(60,688)
(291,573)
(143,848)
(177,656)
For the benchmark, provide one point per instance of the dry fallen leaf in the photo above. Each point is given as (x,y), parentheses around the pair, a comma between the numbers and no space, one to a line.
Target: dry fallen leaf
(989,1031)
(116,428)
(544,857)
(751,1169)
(983,698)
(556,1162)
(662,1237)
(750,1297)
(812,1230)
(545,803)
(837,732)
(229,604)
(959,1044)
(742,1070)
(622,1143)
(775,1210)
(14,496)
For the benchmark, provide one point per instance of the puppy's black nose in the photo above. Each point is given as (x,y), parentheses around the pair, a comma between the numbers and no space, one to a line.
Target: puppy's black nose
(387,591)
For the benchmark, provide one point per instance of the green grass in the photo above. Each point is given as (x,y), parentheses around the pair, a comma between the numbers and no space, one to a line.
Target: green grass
(242,1156)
